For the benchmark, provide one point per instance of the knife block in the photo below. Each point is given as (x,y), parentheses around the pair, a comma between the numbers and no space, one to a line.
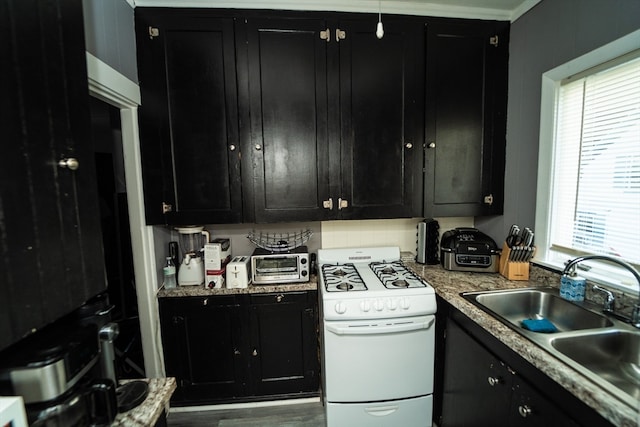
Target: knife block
(512,270)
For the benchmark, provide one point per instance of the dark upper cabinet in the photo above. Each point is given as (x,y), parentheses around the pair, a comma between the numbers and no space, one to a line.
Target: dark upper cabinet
(287,90)
(50,235)
(189,118)
(466,99)
(336,119)
(380,119)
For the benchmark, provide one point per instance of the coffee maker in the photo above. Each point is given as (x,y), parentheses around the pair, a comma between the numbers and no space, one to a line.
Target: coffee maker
(192,240)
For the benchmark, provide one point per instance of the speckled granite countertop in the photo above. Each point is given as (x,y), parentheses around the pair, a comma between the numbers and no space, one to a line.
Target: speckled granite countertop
(148,412)
(450,284)
(197,291)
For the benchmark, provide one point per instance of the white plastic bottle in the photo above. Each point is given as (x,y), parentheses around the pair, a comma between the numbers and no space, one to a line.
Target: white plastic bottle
(169,272)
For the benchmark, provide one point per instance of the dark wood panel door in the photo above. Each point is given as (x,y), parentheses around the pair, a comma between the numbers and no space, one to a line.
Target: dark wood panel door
(465,118)
(288,108)
(529,408)
(477,386)
(49,216)
(189,119)
(284,357)
(203,347)
(381,122)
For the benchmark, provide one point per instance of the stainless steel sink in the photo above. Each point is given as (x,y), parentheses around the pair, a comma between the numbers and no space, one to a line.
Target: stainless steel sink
(517,305)
(603,349)
(613,355)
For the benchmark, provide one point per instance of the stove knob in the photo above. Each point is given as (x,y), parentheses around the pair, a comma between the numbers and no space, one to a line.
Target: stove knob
(392,304)
(378,305)
(340,307)
(405,303)
(365,306)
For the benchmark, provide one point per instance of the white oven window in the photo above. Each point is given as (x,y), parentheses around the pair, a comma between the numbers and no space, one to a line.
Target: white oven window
(589,165)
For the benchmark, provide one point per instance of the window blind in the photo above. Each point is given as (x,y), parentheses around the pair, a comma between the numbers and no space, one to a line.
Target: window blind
(595,206)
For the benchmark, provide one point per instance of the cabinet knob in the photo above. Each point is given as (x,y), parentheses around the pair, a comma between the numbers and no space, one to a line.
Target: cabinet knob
(493,381)
(232,147)
(254,352)
(408,145)
(432,145)
(205,301)
(258,147)
(279,298)
(236,352)
(70,163)
(524,411)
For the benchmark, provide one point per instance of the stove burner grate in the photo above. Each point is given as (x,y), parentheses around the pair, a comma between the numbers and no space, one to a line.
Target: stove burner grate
(395,275)
(342,278)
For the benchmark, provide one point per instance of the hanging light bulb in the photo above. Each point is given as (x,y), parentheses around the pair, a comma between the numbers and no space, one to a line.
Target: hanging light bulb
(379,29)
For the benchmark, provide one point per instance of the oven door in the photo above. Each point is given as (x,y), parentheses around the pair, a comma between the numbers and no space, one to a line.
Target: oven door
(374,360)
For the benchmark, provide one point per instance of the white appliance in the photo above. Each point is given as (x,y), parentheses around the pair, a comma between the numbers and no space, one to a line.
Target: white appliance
(239,272)
(192,241)
(378,339)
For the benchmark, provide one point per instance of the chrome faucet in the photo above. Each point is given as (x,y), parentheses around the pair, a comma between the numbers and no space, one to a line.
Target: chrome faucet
(635,314)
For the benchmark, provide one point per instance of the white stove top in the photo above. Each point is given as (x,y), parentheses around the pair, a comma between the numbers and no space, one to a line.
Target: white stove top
(371,283)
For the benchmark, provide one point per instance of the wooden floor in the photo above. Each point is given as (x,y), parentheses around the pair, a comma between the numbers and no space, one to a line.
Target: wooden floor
(286,415)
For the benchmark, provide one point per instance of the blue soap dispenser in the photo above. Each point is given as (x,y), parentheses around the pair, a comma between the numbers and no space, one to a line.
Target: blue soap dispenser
(572,286)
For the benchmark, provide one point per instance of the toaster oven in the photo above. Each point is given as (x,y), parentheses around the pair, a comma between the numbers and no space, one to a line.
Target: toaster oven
(275,267)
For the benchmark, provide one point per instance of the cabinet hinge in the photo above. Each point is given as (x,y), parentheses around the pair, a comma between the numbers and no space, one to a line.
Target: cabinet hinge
(493,40)
(488,200)
(153,32)
(325,35)
(166,208)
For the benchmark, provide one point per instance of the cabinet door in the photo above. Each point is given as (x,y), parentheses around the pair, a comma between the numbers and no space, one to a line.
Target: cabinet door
(189,119)
(477,386)
(201,337)
(465,118)
(284,350)
(50,236)
(288,108)
(530,408)
(381,104)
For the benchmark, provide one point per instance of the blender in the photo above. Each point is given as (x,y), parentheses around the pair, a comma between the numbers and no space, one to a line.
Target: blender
(192,240)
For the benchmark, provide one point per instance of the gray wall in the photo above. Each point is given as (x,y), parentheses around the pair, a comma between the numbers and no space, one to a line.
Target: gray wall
(110,35)
(551,34)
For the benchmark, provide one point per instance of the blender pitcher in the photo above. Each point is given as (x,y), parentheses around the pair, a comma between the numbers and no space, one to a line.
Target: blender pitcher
(192,240)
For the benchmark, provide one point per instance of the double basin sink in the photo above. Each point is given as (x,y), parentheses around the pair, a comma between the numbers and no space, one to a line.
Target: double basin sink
(604,349)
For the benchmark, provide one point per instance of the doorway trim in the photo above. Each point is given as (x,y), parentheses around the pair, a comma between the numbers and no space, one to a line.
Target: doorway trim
(110,86)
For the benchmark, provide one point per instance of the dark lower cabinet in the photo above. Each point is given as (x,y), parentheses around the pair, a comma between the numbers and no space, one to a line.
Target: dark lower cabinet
(234,348)
(486,384)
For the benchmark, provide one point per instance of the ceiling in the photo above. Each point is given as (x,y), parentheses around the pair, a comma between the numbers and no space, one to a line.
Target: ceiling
(505,10)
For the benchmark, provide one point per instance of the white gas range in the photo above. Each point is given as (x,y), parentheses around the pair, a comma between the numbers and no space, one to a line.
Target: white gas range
(378,336)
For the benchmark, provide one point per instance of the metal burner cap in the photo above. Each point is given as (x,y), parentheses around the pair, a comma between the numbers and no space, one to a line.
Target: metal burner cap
(400,283)
(344,286)
(339,272)
(387,270)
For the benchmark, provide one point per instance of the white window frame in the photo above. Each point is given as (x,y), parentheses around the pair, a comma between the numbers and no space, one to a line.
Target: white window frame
(606,273)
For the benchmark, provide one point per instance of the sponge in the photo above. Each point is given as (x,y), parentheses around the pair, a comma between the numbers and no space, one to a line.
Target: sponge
(539,325)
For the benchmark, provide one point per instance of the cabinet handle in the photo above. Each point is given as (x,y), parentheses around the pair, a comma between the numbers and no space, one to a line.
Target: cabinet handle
(258,147)
(279,298)
(408,145)
(232,147)
(325,35)
(524,411)
(70,163)
(205,301)
(493,381)
(328,204)
(432,145)
(340,34)
(236,352)
(342,204)
(254,352)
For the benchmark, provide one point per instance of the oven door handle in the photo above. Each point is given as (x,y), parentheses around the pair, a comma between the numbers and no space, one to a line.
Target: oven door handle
(380,329)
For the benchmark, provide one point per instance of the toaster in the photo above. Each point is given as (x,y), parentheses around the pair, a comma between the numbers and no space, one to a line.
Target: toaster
(239,272)
(469,249)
